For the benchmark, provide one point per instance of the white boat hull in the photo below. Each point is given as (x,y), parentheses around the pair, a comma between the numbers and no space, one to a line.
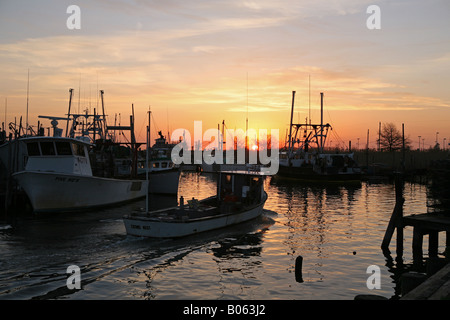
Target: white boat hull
(146,227)
(49,192)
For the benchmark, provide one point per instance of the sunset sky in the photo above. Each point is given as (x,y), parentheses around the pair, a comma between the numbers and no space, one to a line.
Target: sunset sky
(221,60)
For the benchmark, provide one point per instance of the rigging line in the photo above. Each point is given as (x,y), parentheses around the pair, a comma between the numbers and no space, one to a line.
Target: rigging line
(155,126)
(123,134)
(226,128)
(336,136)
(334,130)
(142,125)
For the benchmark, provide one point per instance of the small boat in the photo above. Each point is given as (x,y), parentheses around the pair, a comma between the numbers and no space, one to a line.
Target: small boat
(58,177)
(240,197)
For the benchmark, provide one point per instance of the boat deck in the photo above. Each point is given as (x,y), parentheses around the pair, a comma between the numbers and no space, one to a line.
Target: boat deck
(194,211)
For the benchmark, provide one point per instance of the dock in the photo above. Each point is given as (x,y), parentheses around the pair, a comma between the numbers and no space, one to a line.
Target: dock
(436,287)
(431,224)
(435,283)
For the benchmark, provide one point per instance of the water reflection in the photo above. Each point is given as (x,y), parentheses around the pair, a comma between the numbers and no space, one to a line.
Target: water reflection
(310,210)
(336,229)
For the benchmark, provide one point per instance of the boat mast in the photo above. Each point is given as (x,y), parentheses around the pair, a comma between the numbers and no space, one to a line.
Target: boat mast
(104,116)
(146,161)
(290,125)
(133,143)
(28,91)
(68,112)
(321,122)
(6,109)
(223,136)
(247,151)
(309,100)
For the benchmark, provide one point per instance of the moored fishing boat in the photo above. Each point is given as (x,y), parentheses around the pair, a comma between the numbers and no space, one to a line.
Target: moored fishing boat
(305,157)
(58,177)
(240,197)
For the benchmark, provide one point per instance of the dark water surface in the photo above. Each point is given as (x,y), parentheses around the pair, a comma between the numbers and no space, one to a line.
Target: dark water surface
(337,230)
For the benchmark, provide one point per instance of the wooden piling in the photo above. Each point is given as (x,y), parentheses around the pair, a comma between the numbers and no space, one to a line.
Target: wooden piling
(396,219)
(298,269)
(417,246)
(433,244)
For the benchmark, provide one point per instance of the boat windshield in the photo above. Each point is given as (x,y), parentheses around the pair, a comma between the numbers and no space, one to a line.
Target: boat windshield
(63,148)
(33,149)
(48,148)
(54,148)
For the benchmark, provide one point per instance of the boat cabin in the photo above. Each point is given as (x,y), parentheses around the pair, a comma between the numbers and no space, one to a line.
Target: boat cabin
(242,187)
(57,154)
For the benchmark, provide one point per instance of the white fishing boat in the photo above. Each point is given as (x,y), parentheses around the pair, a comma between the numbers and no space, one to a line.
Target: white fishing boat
(240,197)
(58,177)
(75,171)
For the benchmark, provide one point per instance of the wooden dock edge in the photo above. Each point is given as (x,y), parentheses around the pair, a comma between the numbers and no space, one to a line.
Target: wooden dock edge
(436,287)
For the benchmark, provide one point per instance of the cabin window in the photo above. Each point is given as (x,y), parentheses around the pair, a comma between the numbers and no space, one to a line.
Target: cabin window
(63,149)
(164,165)
(156,165)
(78,149)
(33,149)
(48,149)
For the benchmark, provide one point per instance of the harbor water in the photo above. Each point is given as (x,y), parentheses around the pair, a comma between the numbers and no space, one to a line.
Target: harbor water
(337,230)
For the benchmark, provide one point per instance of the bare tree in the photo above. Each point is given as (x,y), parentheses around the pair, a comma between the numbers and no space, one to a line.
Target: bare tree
(391,138)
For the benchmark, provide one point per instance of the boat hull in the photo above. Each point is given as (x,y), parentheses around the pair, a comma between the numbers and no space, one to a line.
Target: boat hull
(147,227)
(308,174)
(52,192)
